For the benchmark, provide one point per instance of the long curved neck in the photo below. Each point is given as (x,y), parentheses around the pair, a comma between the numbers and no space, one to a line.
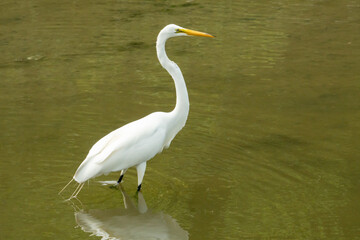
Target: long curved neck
(181,109)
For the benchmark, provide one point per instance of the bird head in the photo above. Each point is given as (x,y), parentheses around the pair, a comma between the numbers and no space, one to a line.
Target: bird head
(173,30)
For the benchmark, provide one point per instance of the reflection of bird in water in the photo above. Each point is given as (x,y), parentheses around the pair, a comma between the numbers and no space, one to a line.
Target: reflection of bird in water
(139,141)
(130,222)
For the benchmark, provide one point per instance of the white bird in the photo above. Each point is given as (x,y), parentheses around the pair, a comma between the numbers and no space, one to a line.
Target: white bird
(137,142)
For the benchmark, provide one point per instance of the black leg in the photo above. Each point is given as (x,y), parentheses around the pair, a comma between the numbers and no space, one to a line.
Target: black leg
(120,179)
(139,188)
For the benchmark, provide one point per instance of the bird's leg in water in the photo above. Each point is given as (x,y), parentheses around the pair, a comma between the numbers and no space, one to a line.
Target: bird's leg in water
(120,179)
(140,172)
(121,175)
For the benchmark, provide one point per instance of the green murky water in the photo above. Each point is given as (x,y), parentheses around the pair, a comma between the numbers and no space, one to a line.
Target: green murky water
(270,149)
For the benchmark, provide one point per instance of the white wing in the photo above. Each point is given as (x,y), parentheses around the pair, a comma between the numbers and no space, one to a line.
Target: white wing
(132,136)
(131,144)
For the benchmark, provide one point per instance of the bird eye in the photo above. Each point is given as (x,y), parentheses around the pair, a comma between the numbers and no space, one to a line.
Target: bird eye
(178,30)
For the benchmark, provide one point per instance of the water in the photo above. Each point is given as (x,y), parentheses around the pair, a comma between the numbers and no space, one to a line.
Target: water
(270,149)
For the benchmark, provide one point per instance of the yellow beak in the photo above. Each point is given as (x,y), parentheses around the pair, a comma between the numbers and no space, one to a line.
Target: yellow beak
(195,33)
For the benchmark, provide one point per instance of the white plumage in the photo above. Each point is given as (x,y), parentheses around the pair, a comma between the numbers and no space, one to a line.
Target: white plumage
(125,147)
(137,142)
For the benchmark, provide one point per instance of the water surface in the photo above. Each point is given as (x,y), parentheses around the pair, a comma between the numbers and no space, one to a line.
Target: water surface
(270,149)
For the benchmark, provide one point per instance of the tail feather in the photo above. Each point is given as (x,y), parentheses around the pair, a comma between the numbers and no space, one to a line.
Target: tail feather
(66,186)
(86,172)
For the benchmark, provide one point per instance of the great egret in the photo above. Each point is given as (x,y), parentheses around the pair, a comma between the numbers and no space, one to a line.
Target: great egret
(137,142)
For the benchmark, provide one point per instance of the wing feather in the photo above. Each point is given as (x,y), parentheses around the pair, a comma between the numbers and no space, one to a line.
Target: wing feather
(123,138)
(131,144)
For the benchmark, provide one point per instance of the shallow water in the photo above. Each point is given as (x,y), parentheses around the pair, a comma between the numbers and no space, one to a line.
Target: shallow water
(270,149)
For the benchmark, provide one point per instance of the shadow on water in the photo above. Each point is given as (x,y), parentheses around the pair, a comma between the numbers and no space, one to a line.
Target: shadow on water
(133,221)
